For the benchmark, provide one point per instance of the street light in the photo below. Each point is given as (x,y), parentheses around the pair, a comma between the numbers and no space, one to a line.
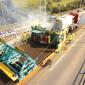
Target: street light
(1,6)
(43,8)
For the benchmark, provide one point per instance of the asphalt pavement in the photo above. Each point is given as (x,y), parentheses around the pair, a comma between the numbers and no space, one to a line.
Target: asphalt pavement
(64,70)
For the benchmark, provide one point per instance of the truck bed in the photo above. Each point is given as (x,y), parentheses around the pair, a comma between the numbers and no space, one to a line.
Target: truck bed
(37,51)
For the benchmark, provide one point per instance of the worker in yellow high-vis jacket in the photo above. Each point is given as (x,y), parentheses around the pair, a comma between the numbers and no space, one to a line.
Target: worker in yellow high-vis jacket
(49,39)
(69,37)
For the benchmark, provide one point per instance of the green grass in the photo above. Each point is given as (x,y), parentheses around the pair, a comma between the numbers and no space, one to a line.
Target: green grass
(35,3)
(26,3)
(63,2)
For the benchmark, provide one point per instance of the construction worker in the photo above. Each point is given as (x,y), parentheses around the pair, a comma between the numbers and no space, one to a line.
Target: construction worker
(49,39)
(69,37)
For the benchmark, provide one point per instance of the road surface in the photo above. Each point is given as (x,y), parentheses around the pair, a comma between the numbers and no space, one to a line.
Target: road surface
(37,51)
(65,70)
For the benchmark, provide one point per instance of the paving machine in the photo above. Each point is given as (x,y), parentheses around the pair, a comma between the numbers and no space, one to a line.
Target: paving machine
(15,64)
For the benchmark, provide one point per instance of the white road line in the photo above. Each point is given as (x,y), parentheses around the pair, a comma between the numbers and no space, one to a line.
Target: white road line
(65,53)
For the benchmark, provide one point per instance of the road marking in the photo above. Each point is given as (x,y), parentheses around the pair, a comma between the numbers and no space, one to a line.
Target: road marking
(65,53)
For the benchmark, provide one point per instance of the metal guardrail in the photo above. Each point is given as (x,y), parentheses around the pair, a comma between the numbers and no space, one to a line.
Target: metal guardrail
(10,26)
(80,78)
(82,82)
(22,26)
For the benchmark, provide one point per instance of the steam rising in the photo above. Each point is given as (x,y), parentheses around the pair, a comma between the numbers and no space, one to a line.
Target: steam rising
(23,18)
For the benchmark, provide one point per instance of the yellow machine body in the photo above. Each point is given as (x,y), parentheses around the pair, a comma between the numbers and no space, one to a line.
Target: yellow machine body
(7,71)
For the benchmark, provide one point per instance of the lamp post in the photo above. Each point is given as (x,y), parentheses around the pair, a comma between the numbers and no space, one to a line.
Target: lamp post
(1,6)
(43,8)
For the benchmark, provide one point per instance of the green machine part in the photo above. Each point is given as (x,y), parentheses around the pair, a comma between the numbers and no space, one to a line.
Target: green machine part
(55,38)
(20,63)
